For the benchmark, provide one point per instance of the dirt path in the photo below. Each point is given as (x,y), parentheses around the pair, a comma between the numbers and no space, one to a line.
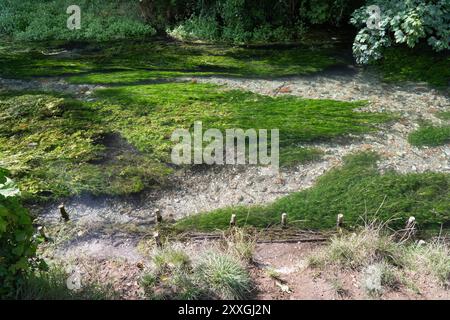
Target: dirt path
(289,262)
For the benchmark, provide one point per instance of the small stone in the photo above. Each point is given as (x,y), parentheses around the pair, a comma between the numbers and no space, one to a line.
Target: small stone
(118,243)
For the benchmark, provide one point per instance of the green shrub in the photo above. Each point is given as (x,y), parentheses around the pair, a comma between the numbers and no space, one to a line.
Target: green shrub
(206,28)
(197,28)
(29,20)
(17,246)
(402,22)
(244,21)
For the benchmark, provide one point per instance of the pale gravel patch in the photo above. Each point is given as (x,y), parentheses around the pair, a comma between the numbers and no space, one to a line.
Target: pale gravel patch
(81,91)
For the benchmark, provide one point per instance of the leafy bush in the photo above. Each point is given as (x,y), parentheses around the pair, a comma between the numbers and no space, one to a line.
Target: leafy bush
(47,20)
(243,21)
(327,11)
(17,246)
(402,22)
(197,28)
(207,29)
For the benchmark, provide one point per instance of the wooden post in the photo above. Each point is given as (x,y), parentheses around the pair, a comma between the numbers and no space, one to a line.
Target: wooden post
(340,220)
(42,233)
(340,223)
(410,224)
(410,229)
(284,220)
(157,238)
(63,212)
(233,220)
(421,243)
(158,216)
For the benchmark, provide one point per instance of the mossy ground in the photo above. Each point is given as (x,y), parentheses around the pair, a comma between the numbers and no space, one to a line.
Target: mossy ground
(356,190)
(401,64)
(444,115)
(56,146)
(134,62)
(430,136)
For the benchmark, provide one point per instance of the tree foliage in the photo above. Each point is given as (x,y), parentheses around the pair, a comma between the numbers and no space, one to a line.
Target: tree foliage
(402,22)
(241,21)
(31,20)
(17,245)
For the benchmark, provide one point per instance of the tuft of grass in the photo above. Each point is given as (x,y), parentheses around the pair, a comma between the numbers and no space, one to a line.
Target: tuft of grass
(51,285)
(378,277)
(431,136)
(385,261)
(170,276)
(354,189)
(224,276)
(170,257)
(445,115)
(405,64)
(338,287)
(431,259)
(359,249)
(240,244)
(215,274)
(272,273)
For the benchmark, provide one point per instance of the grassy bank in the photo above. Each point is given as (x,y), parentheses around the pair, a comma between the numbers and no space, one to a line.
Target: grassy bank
(431,136)
(355,190)
(56,146)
